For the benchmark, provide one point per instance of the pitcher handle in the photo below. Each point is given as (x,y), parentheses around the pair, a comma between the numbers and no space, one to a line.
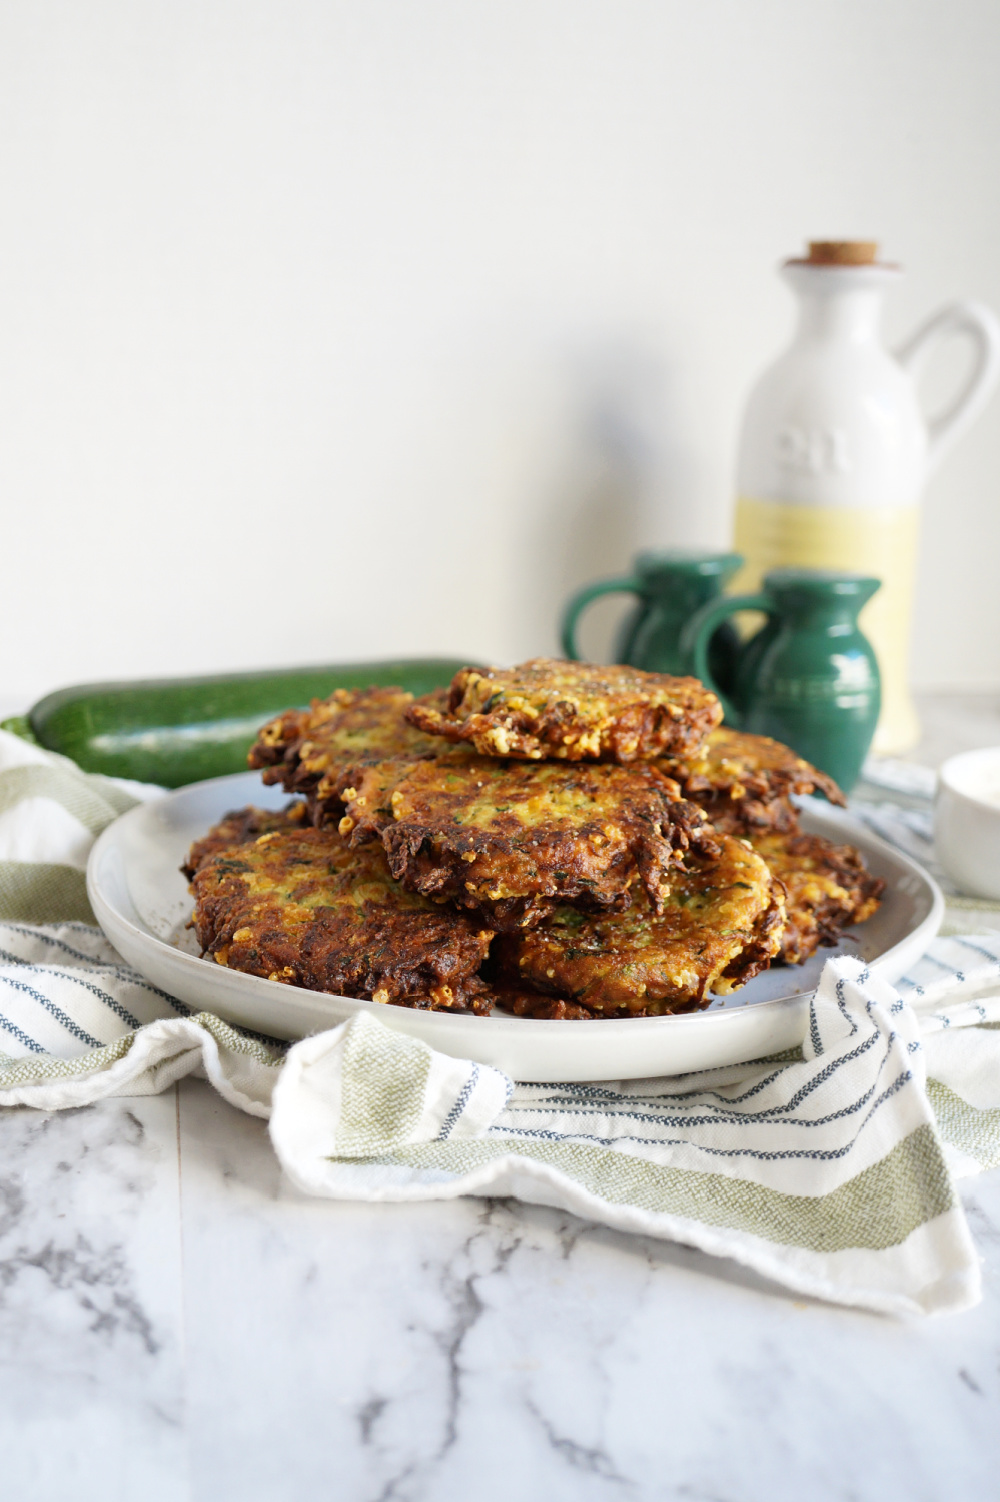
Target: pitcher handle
(579,602)
(978,323)
(698,632)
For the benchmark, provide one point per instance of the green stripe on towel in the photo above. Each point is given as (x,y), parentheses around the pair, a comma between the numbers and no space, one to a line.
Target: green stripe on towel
(94,807)
(974,1132)
(31,892)
(879,1208)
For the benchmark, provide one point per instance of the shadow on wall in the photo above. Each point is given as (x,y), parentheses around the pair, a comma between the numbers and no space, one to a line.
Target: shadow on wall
(619,488)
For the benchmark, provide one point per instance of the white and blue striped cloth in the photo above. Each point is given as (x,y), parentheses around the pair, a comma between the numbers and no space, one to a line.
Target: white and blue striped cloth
(830,1171)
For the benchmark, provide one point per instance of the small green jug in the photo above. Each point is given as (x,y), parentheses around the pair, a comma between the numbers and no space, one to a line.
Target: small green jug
(809,677)
(670,586)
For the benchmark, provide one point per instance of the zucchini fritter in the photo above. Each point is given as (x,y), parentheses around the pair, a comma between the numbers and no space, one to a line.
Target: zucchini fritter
(298,906)
(306,750)
(743,781)
(721,925)
(571,711)
(511,839)
(238,828)
(828,888)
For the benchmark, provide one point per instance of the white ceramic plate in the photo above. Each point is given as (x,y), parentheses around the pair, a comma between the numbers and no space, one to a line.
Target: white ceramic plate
(141,901)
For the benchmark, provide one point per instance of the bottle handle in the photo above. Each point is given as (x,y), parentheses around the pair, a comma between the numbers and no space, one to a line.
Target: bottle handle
(699,630)
(976,322)
(579,602)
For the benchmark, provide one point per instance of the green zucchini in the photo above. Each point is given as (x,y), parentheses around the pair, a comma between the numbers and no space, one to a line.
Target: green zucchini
(178,730)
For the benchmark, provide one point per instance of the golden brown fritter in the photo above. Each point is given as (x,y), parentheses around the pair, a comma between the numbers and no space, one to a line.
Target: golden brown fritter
(828,889)
(511,839)
(307,750)
(721,925)
(238,827)
(743,781)
(571,711)
(298,906)
(543,1008)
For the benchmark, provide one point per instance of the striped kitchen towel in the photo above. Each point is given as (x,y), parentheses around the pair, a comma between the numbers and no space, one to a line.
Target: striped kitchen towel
(825,1173)
(830,1170)
(50,815)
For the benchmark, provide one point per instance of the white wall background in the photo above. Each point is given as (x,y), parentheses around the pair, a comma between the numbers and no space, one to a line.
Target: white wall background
(344,328)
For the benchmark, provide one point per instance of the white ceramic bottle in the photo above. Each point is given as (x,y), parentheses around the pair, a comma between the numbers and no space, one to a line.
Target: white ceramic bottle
(835,449)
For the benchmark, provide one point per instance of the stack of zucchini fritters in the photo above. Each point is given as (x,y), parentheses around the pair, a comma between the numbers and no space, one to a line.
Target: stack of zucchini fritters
(555,839)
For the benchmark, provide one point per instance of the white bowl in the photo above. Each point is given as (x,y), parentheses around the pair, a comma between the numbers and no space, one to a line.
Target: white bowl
(141,901)
(967,821)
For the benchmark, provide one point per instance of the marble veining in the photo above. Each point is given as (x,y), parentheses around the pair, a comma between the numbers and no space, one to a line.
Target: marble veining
(90,1328)
(185,1326)
(493,1349)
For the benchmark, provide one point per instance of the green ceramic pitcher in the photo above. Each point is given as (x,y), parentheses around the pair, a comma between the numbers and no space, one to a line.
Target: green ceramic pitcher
(669,587)
(809,678)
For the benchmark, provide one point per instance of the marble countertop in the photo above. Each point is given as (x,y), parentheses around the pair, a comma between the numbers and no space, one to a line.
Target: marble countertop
(177,1324)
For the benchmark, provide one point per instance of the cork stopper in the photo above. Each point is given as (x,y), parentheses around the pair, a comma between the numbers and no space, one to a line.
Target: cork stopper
(842,252)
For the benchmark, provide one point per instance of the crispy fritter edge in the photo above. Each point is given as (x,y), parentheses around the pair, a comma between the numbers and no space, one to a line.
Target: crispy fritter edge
(559,728)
